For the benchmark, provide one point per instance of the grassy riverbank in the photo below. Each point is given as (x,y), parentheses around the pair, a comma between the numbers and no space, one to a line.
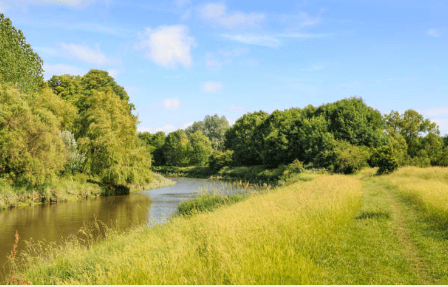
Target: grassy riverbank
(70,188)
(334,229)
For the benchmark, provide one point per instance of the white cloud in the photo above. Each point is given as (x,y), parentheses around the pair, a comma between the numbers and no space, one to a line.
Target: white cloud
(235,52)
(84,53)
(231,121)
(211,87)
(261,40)
(184,126)
(302,35)
(238,108)
(436,111)
(434,33)
(167,45)
(68,3)
(60,69)
(212,63)
(301,20)
(216,13)
(171,104)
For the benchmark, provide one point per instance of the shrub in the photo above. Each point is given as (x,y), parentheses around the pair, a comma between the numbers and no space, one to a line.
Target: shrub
(75,159)
(384,158)
(220,159)
(349,158)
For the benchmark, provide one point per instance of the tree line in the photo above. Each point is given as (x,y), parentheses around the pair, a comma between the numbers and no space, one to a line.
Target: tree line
(342,137)
(67,125)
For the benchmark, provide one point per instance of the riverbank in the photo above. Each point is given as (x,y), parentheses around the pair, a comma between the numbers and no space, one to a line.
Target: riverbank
(70,188)
(334,229)
(258,175)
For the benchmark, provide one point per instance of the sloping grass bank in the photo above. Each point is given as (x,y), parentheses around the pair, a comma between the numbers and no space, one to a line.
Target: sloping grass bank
(267,239)
(70,188)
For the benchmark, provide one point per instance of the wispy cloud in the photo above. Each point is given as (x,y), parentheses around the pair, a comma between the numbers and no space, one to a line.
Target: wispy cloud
(301,20)
(435,33)
(68,3)
(171,104)
(84,53)
(3,7)
(217,14)
(181,3)
(60,69)
(235,52)
(211,87)
(260,40)
(237,108)
(167,45)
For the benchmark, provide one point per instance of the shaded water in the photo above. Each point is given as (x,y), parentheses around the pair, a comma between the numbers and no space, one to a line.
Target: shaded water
(55,222)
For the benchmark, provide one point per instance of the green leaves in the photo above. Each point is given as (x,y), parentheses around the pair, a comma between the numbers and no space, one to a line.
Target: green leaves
(18,63)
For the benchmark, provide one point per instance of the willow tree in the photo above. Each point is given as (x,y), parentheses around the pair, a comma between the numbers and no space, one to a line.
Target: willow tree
(19,64)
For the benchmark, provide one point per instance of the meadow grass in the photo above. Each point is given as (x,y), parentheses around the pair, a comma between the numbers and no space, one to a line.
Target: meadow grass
(323,229)
(267,239)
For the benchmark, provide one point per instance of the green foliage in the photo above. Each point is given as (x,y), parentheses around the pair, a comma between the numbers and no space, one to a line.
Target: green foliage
(108,138)
(349,158)
(18,63)
(201,148)
(67,87)
(353,121)
(177,149)
(155,145)
(31,151)
(384,158)
(296,166)
(412,126)
(213,127)
(75,159)
(209,202)
(220,159)
(99,80)
(241,139)
(443,158)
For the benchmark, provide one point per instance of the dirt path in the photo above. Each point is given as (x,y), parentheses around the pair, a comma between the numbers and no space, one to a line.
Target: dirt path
(401,229)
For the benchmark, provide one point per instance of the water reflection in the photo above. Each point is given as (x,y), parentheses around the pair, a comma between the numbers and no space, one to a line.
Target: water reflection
(54,222)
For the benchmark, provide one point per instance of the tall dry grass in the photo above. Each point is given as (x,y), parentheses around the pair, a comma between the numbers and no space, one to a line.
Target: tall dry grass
(270,238)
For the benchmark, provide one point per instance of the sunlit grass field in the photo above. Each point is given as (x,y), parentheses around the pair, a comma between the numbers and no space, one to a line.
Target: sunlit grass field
(332,229)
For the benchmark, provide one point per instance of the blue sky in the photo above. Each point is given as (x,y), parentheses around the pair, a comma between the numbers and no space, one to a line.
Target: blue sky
(180,60)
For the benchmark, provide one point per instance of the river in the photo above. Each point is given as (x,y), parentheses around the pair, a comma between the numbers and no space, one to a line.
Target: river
(55,222)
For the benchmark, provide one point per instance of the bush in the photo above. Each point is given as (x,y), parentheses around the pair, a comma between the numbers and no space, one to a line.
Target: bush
(220,159)
(349,158)
(384,158)
(75,159)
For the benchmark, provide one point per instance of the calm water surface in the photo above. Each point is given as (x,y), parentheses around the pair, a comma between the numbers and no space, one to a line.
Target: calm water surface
(54,222)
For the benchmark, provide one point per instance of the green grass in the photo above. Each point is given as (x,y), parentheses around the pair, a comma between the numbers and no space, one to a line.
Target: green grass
(322,229)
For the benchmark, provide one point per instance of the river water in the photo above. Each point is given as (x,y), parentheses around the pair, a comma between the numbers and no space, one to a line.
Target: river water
(55,222)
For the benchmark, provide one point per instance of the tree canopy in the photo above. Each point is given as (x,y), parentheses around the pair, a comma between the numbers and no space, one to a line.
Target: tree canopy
(19,64)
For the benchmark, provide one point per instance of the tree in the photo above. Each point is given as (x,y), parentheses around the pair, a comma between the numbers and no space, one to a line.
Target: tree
(99,80)
(241,139)
(75,160)
(220,159)
(19,64)
(108,137)
(384,158)
(67,87)
(31,151)
(177,149)
(413,127)
(201,148)
(349,158)
(213,127)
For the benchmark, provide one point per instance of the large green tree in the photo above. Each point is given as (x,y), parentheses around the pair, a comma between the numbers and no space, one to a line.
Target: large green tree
(213,127)
(201,148)
(241,139)
(31,151)
(177,149)
(19,64)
